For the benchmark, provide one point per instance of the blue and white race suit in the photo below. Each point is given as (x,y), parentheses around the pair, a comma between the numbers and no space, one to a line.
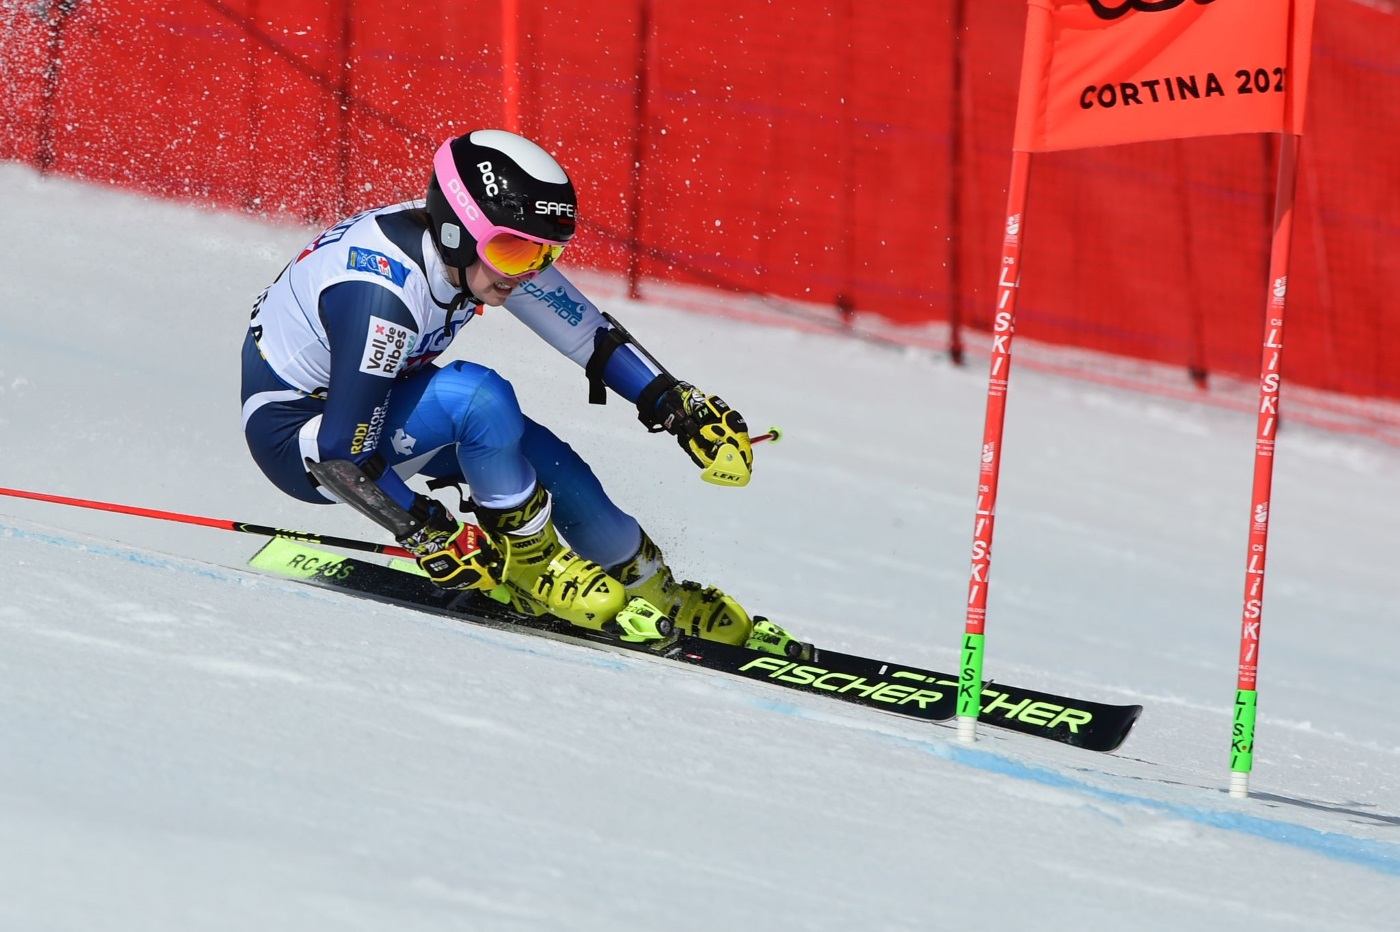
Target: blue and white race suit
(338,364)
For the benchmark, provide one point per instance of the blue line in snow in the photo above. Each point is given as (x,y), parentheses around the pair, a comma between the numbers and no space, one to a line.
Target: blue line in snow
(131,556)
(1376,855)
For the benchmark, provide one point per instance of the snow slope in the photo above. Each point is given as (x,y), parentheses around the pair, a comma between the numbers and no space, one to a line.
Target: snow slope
(188,745)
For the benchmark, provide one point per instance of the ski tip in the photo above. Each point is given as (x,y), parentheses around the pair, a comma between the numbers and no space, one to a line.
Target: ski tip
(1114,741)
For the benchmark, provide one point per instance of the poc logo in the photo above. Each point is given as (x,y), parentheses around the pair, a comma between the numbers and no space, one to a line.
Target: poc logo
(553,208)
(463,199)
(488,178)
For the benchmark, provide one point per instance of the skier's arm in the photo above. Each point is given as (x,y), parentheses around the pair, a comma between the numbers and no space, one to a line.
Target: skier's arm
(711,433)
(370,332)
(559,313)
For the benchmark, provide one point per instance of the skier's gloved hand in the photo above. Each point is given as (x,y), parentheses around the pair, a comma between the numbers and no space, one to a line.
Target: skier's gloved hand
(455,555)
(712,433)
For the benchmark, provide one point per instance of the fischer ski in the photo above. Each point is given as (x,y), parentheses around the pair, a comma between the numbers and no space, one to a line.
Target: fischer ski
(895,688)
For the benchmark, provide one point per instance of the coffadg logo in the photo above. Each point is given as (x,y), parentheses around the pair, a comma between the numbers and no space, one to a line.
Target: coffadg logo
(1106,9)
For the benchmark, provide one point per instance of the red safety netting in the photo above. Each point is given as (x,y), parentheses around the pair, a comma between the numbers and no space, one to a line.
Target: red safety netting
(826,154)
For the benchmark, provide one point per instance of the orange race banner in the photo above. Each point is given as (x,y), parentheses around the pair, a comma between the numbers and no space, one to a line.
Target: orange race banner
(1103,72)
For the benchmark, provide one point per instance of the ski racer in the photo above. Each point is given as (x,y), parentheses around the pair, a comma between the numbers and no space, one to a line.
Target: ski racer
(342,400)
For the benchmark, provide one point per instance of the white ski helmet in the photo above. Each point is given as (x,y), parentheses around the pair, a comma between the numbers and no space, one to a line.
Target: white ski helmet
(500,198)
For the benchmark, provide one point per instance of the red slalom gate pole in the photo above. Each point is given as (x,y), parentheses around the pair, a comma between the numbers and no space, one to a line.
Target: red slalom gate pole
(973,645)
(223,524)
(1270,379)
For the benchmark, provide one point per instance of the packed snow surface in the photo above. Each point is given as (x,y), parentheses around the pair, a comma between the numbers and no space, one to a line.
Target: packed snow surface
(189,745)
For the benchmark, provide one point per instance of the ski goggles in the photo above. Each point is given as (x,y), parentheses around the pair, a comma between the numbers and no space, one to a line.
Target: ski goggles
(506,252)
(515,255)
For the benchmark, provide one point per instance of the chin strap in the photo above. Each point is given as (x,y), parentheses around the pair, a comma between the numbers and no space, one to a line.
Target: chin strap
(465,295)
(457,303)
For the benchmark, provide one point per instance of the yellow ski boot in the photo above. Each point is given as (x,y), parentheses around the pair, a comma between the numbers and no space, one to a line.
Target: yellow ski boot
(702,611)
(544,576)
